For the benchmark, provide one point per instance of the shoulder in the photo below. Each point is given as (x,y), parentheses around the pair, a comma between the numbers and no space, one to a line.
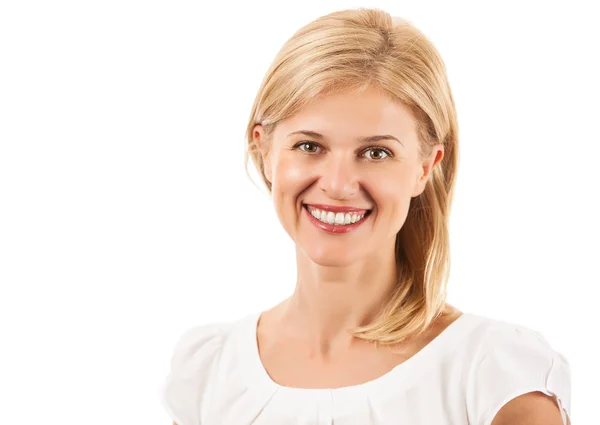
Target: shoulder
(201,345)
(193,364)
(200,339)
(514,366)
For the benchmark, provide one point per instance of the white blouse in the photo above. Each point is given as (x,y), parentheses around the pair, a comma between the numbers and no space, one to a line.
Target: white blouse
(463,376)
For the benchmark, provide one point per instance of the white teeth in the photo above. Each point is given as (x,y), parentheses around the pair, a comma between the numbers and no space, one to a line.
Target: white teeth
(330,217)
(339,219)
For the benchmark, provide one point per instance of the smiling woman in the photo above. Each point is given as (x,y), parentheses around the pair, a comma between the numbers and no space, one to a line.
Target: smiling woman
(355,135)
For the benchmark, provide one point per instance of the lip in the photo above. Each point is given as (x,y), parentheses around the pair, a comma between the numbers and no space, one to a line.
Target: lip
(337,209)
(330,228)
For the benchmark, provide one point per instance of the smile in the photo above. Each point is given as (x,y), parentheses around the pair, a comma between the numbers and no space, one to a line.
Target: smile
(338,219)
(336,222)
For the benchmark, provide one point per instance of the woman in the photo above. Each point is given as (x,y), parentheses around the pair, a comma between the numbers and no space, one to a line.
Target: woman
(354,131)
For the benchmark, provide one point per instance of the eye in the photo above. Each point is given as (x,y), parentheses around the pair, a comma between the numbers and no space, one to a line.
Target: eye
(382,153)
(307,147)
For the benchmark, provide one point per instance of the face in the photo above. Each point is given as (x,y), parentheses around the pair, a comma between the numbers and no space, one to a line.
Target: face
(344,157)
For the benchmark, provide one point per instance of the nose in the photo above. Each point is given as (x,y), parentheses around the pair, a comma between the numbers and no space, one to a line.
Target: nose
(339,177)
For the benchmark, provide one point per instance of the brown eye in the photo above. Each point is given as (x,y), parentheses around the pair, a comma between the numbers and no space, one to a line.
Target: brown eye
(308,147)
(377,154)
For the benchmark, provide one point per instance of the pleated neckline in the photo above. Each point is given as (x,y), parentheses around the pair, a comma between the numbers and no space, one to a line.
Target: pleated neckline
(400,377)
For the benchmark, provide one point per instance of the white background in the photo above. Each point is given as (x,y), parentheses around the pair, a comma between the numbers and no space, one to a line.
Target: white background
(126,216)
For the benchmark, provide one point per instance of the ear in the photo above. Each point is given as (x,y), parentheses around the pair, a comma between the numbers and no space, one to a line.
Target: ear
(262,143)
(437,153)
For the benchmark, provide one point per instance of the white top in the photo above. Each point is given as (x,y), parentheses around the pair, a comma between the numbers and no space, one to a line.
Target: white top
(464,376)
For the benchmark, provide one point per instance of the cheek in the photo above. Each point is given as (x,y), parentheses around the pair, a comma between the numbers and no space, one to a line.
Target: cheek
(290,179)
(393,193)
(289,176)
(396,187)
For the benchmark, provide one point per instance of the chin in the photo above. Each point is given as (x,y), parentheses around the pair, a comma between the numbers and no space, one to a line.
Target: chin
(331,258)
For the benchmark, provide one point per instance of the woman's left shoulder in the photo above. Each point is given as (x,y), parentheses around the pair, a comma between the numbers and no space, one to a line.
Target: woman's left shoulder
(499,332)
(512,359)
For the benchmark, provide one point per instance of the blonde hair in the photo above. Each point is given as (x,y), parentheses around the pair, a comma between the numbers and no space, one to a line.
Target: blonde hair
(362,48)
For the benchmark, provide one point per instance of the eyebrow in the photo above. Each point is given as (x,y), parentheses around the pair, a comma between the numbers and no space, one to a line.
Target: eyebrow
(367,139)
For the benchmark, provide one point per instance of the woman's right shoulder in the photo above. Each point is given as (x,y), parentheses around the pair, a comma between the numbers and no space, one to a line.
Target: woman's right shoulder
(194,356)
(200,342)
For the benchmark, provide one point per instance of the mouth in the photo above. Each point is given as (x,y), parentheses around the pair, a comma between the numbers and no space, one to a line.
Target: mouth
(342,217)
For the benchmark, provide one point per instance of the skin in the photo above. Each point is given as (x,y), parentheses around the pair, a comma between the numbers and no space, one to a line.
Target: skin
(343,278)
(533,408)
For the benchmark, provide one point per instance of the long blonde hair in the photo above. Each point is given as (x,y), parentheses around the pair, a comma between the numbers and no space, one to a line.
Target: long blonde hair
(362,48)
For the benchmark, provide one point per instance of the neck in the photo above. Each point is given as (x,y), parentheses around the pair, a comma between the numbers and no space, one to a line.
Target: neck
(330,301)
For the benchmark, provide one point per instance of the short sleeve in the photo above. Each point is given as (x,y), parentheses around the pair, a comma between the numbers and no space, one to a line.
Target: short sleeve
(512,361)
(185,386)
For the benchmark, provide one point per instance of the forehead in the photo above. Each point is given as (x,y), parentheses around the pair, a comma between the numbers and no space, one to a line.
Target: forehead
(350,115)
